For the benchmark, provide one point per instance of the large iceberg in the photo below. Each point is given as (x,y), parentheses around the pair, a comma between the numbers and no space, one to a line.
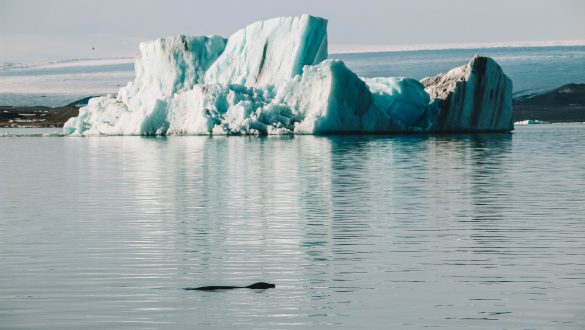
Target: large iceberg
(273,77)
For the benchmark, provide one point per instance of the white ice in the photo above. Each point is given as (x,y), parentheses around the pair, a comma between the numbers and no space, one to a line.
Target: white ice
(268,52)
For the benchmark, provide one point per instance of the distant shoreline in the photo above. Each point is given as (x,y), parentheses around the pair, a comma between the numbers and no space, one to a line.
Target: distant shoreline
(565,104)
(36,116)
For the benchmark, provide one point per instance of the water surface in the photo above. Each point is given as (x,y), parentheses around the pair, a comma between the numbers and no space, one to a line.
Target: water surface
(376,232)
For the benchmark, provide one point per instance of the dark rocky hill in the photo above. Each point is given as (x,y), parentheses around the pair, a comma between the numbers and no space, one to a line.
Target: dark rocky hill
(564,104)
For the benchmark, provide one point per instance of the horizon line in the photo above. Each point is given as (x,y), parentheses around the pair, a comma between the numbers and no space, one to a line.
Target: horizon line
(377,48)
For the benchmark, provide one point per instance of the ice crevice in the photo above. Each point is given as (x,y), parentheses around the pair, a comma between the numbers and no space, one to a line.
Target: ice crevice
(274,77)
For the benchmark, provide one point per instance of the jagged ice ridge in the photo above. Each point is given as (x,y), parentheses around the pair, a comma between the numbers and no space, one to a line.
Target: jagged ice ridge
(273,77)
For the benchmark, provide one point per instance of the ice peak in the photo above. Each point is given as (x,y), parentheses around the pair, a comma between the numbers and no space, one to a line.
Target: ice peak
(266,52)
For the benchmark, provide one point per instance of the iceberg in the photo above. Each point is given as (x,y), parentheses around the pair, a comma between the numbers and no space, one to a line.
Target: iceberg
(274,77)
(476,97)
(268,52)
(530,122)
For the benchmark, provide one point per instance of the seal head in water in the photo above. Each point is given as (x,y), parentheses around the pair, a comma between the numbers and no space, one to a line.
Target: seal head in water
(261,286)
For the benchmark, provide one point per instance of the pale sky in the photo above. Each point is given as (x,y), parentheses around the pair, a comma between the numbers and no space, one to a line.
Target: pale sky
(40,30)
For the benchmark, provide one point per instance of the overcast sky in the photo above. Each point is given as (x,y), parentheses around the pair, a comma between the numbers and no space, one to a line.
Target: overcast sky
(61,29)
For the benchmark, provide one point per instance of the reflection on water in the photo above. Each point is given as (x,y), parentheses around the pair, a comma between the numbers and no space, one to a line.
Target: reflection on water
(459,231)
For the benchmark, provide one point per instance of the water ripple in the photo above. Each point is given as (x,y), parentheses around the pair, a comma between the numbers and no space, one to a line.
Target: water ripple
(464,231)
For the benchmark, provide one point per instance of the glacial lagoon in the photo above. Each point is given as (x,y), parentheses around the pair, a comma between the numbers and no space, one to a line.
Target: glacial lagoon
(413,231)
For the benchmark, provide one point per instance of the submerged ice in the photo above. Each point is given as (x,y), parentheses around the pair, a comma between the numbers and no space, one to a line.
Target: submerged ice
(273,77)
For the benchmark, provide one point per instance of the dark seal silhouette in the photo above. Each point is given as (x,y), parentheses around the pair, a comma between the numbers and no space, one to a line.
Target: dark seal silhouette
(255,286)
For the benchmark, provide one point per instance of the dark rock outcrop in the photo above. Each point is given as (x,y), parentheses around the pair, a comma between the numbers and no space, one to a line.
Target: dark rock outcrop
(564,104)
(36,116)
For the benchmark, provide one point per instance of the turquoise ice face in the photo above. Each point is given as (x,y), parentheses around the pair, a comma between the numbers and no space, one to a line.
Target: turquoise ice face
(401,99)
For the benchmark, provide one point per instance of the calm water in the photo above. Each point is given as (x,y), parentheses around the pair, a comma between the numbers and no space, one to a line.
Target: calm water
(533,70)
(401,232)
